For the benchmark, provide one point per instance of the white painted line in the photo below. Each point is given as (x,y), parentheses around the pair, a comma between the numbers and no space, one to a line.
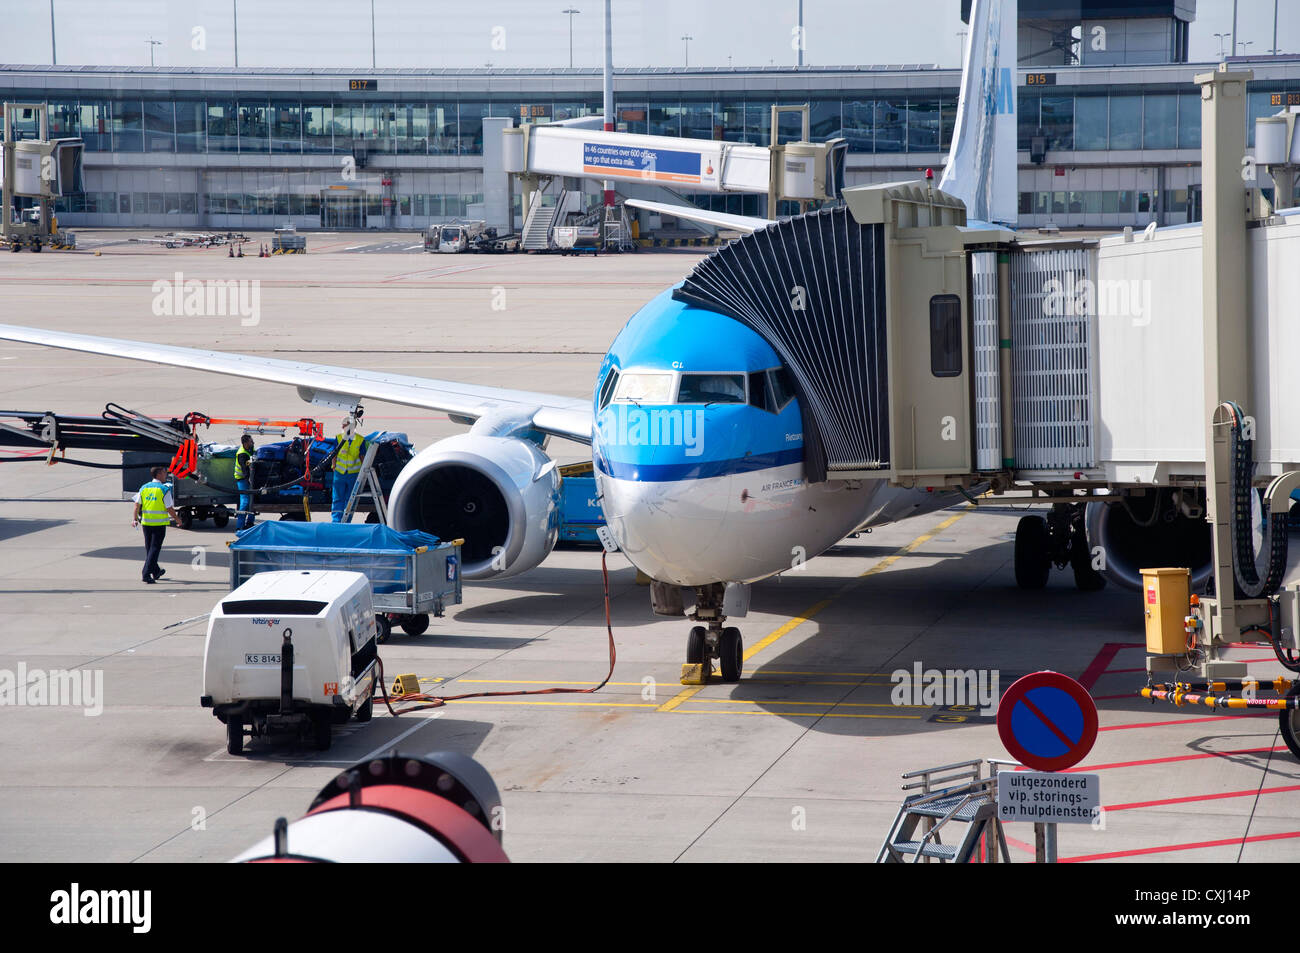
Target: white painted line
(352,247)
(389,745)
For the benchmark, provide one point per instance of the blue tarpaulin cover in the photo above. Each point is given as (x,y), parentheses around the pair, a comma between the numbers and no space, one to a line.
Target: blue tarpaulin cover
(332,537)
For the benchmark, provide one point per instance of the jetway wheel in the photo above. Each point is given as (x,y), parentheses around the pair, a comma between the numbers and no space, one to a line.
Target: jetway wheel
(1033,559)
(1289,722)
(731,654)
(234,736)
(415,624)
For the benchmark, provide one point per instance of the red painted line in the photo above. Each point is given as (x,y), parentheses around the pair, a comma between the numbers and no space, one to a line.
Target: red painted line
(1122,671)
(1202,797)
(1181,757)
(1012,842)
(1051,726)
(1186,721)
(1102,662)
(1231,841)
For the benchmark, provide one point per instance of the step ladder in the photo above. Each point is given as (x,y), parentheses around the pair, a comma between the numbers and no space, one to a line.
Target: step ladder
(367,485)
(618,231)
(954,801)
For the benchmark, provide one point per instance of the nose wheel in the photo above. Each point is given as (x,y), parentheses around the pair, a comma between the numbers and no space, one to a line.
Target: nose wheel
(716,642)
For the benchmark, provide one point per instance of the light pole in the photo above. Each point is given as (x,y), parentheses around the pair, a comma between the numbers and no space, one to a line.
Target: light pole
(152,43)
(234,6)
(1273,50)
(54,58)
(1221,38)
(1243,44)
(961,44)
(372,34)
(686,57)
(800,34)
(572,13)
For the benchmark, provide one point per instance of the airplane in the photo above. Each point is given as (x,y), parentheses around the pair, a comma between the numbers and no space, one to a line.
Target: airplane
(695,426)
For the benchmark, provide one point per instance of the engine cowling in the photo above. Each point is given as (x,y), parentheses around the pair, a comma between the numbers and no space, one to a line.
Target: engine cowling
(501,495)
(1157,529)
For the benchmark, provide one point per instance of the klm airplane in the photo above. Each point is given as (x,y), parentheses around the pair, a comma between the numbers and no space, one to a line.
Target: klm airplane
(707,475)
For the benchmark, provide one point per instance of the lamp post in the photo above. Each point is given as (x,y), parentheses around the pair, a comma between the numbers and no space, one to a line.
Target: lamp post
(572,13)
(686,57)
(152,43)
(1221,37)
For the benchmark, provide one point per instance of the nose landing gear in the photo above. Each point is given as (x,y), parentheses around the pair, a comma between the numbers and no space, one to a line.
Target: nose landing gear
(712,641)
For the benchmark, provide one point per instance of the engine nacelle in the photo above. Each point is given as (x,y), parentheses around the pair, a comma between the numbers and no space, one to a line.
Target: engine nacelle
(501,495)
(1157,529)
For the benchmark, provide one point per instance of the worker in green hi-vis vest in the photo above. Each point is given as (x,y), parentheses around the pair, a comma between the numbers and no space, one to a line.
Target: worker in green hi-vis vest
(347,464)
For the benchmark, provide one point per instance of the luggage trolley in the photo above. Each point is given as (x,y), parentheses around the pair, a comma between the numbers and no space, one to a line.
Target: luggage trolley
(413,575)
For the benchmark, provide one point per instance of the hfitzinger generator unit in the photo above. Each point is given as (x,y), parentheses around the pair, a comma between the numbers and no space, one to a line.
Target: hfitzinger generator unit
(291,653)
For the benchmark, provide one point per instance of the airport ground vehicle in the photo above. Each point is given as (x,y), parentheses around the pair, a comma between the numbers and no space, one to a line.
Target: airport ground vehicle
(291,653)
(412,575)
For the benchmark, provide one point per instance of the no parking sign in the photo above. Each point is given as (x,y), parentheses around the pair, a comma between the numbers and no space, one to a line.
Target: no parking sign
(1047,721)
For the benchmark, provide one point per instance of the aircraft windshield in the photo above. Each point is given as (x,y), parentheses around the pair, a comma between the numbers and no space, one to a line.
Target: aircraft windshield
(712,389)
(645,389)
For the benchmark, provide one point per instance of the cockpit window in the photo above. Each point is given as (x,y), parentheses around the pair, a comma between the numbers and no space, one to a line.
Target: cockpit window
(782,387)
(644,389)
(712,389)
(760,392)
(607,388)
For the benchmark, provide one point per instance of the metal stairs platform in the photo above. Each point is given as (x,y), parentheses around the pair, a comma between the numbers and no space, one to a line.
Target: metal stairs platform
(537,230)
(962,811)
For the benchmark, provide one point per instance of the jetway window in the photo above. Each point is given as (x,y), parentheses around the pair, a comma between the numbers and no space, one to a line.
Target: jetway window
(644,389)
(945,336)
(712,389)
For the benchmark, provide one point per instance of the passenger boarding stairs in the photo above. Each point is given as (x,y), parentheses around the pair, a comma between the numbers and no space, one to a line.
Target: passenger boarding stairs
(960,811)
(542,219)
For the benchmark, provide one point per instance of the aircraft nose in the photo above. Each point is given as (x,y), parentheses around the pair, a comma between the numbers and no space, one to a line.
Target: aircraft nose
(667,534)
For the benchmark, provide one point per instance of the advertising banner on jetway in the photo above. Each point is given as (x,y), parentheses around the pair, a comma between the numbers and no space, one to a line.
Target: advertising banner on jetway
(649,164)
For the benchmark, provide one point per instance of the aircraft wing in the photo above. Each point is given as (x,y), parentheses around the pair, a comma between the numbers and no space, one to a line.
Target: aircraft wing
(741,223)
(338,387)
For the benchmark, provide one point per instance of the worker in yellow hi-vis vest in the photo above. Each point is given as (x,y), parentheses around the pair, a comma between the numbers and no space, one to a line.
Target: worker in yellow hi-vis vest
(154,509)
(347,464)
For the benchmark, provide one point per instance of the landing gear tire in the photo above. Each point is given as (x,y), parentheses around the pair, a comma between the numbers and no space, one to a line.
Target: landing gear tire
(385,628)
(235,736)
(1289,722)
(416,624)
(1086,579)
(731,654)
(1033,562)
(695,646)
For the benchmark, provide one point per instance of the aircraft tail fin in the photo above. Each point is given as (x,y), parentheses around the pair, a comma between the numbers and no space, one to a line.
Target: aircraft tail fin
(981,168)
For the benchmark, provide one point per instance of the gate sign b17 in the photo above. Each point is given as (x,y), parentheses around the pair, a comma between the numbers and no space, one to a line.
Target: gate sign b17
(654,165)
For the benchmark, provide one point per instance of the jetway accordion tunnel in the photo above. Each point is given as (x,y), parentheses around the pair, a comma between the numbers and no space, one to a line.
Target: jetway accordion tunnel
(439,808)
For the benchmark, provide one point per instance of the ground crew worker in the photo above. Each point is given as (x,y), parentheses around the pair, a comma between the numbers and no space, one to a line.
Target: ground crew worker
(244,480)
(347,464)
(154,508)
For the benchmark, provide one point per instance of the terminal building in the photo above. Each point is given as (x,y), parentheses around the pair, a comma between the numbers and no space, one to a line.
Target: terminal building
(1108,113)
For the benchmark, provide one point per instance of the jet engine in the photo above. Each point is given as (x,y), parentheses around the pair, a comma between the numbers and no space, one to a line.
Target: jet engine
(501,495)
(1158,528)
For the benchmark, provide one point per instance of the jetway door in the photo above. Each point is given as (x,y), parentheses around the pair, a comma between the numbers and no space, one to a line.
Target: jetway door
(814,288)
(1053,328)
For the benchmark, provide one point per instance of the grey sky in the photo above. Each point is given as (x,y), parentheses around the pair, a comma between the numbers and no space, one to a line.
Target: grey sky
(528,33)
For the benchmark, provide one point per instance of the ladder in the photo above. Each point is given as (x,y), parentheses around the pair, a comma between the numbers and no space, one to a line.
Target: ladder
(961,810)
(618,231)
(367,485)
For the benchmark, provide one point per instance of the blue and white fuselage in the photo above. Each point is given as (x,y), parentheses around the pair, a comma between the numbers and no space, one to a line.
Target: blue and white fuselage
(698,453)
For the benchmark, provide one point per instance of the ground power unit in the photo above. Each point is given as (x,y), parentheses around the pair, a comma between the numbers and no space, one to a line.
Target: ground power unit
(291,653)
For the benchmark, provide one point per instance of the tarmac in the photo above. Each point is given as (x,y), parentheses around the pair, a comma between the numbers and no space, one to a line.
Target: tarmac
(800,761)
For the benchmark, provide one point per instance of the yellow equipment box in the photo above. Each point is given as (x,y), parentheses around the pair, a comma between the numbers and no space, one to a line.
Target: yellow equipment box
(1165,597)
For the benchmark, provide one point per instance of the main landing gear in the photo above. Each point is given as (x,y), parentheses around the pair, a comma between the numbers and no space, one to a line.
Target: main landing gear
(712,640)
(1061,540)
